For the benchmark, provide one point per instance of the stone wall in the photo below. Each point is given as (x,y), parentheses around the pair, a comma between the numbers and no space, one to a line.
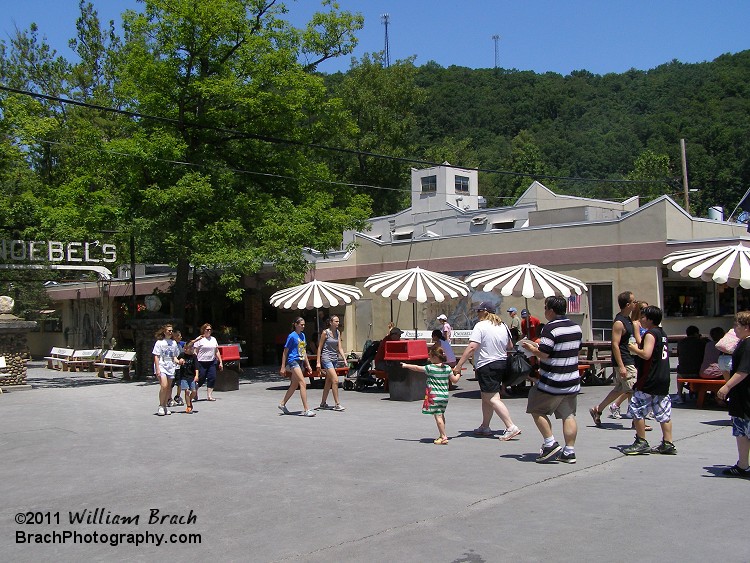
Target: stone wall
(14,346)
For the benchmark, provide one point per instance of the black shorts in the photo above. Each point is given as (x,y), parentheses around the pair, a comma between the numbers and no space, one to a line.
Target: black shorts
(490,376)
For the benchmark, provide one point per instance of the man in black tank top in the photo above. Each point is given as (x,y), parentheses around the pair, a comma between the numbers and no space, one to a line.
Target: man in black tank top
(622,360)
(652,386)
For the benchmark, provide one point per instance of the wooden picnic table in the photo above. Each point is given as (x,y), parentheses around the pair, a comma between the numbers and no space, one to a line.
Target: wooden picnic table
(594,360)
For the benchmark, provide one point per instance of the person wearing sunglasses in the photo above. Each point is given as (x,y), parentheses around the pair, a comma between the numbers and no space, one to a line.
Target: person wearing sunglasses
(207,353)
(165,354)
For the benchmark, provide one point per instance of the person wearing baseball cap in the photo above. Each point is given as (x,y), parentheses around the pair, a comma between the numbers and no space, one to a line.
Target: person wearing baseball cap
(530,325)
(490,342)
(446,328)
(514,324)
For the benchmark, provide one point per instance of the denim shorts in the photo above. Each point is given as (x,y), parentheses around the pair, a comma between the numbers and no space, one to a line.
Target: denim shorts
(294,364)
(328,364)
(725,362)
(186,384)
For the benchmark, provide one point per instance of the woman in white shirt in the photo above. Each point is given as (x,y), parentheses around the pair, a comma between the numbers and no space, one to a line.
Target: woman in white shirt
(208,356)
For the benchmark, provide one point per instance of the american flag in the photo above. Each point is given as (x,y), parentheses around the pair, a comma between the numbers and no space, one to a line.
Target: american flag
(574,304)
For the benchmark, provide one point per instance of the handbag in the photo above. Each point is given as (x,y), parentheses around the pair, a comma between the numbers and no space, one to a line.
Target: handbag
(728,342)
(518,369)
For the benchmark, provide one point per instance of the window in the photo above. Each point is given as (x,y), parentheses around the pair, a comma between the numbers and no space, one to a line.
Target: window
(601,307)
(429,184)
(688,299)
(462,184)
(503,225)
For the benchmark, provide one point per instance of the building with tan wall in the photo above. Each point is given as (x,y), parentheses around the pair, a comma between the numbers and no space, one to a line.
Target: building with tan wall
(611,246)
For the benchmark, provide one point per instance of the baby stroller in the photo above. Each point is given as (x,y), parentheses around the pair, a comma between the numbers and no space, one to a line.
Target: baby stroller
(359,369)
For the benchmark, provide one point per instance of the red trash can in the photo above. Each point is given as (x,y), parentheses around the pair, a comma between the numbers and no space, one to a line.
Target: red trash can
(405,385)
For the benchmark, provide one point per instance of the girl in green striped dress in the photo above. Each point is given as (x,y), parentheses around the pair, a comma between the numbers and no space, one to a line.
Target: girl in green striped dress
(439,374)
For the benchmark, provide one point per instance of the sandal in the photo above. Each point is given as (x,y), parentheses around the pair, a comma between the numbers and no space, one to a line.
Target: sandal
(736,471)
(440,441)
(596,415)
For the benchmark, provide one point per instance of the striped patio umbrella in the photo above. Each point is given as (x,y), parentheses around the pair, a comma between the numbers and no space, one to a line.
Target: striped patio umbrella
(527,281)
(416,285)
(722,264)
(314,295)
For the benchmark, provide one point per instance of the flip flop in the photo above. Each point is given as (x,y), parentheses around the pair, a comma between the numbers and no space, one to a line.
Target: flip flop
(440,441)
(210,399)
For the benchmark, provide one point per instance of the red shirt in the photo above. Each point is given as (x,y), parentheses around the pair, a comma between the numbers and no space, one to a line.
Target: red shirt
(533,327)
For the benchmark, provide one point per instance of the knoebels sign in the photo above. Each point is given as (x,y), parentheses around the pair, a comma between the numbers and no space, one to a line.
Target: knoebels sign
(56,255)
(57,252)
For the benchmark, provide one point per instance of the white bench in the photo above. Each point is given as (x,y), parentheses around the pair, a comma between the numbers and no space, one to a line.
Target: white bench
(82,359)
(2,373)
(56,357)
(115,360)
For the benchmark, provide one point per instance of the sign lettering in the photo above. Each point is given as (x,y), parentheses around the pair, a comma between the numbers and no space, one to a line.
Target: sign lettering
(57,252)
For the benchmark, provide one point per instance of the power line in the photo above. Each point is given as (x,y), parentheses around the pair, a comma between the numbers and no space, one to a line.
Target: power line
(278,140)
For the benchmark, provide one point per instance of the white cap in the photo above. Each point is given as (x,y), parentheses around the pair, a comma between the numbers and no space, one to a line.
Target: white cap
(442,318)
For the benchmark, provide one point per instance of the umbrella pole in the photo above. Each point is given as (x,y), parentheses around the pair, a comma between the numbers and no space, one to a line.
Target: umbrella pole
(391,310)
(528,319)
(414,315)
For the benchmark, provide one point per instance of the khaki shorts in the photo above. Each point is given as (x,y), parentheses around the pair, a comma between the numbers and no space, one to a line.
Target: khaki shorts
(562,406)
(626,385)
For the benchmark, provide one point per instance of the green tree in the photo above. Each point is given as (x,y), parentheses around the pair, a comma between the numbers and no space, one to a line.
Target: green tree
(654,171)
(381,101)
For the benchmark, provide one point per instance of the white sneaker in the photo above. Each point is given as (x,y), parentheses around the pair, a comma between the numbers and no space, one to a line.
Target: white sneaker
(160,411)
(309,413)
(339,408)
(167,411)
(283,409)
(510,433)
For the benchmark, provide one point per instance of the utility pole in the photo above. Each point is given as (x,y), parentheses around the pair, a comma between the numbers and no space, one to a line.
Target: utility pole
(685,175)
(386,19)
(496,39)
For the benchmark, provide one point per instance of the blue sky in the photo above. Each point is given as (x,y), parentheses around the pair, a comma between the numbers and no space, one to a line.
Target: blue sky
(600,36)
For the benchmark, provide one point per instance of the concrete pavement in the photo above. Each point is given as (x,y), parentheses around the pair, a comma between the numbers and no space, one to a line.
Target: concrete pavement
(367,484)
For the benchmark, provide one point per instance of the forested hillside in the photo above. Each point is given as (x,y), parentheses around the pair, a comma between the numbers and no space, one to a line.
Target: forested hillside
(615,126)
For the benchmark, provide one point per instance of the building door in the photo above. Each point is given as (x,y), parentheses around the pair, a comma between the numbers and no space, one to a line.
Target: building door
(602,313)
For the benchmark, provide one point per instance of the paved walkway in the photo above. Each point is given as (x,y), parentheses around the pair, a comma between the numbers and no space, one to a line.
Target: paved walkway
(363,485)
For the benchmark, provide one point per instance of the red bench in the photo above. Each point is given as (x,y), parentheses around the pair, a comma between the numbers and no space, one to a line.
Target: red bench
(700,387)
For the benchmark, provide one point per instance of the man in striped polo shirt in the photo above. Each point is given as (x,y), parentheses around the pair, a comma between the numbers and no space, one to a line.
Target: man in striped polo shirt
(556,392)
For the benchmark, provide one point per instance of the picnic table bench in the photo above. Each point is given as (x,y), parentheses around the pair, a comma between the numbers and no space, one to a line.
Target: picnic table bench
(81,359)
(3,366)
(700,386)
(594,360)
(57,356)
(115,360)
